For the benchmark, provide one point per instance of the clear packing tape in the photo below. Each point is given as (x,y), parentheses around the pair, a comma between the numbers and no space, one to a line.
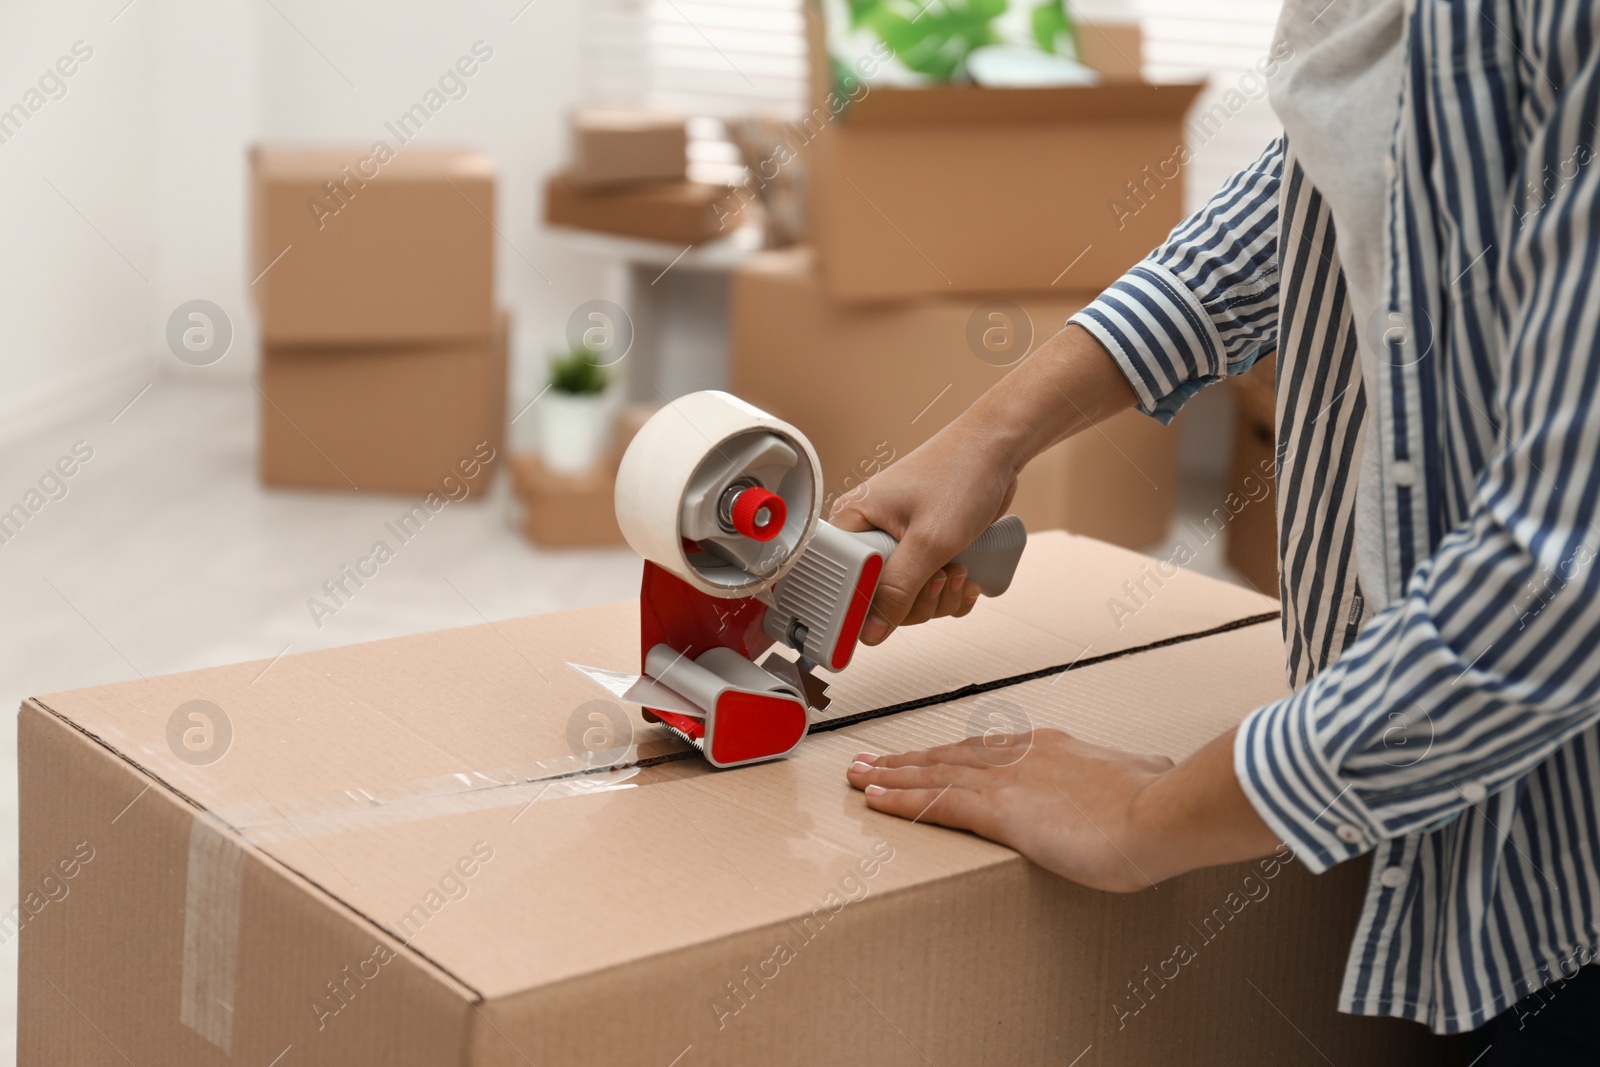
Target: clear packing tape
(650,759)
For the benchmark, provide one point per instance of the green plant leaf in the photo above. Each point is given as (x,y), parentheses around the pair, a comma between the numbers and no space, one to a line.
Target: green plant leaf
(1053,28)
(578,373)
(931,37)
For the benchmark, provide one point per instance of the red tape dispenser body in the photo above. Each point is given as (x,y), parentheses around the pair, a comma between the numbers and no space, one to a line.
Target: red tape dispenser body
(703,648)
(721,500)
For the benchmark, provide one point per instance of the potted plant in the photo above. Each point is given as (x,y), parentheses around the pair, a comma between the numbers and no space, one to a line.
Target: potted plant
(575,416)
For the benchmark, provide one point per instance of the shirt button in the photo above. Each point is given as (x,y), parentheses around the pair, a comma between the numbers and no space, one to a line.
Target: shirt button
(1393,877)
(1474,792)
(1347,833)
(1394,335)
(1404,473)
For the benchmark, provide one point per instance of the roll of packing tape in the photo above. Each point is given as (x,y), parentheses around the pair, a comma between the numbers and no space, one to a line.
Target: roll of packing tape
(685,466)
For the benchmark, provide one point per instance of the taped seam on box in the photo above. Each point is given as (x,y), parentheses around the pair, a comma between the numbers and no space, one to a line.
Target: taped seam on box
(212,898)
(979,688)
(566,776)
(200,812)
(430,798)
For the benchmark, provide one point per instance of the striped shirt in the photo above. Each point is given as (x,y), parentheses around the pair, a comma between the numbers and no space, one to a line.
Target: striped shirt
(1438,492)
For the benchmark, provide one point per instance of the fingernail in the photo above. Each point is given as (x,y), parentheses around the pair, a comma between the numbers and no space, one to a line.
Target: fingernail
(971,595)
(958,582)
(936,586)
(875,790)
(875,630)
(869,758)
(859,766)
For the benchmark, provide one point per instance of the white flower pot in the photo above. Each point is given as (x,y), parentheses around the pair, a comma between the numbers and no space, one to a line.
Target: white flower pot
(574,430)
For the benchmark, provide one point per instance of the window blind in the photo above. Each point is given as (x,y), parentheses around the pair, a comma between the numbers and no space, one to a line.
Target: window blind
(714,59)
(710,59)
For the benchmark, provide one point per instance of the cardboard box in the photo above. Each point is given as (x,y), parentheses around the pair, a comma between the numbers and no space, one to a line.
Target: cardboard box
(678,212)
(1115,49)
(956,189)
(400,858)
(1252,545)
(869,384)
(355,246)
(572,511)
(566,510)
(393,418)
(612,146)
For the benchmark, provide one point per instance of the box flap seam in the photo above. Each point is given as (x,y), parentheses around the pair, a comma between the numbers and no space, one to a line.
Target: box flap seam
(245,845)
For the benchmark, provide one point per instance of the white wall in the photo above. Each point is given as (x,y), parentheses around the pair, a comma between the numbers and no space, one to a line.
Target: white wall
(205,65)
(149,143)
(77,261)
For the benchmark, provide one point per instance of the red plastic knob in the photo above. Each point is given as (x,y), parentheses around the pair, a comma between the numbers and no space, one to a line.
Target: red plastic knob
(758,514)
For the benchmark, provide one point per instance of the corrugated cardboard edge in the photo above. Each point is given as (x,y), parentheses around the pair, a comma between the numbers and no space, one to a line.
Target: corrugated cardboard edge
(124,904)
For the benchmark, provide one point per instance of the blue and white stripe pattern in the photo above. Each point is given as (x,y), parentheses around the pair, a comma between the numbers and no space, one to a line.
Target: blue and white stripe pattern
(1453,732)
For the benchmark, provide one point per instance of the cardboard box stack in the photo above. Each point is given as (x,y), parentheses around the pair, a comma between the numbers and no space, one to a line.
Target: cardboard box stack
(628,176)
(943,217)
(383,361)
(444,878)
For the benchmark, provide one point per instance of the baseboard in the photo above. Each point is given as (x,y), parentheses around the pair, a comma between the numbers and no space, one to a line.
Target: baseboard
(102,384)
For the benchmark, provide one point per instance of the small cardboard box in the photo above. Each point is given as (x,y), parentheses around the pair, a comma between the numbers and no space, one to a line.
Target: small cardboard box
(575,511)
(612,146)
(1252,546)
(958,189)
(361,246)
(397,853)
(566,510)
(393,418)
(869,384)
(678,212)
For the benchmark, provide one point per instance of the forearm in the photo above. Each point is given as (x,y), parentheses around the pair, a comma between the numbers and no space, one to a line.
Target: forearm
(1196,815)
(1069,383)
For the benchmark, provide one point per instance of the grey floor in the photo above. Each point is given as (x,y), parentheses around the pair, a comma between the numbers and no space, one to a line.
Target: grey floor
(164,555)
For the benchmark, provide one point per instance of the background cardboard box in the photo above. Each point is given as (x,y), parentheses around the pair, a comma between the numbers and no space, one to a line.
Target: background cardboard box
(393,418)
(620,145)
(575,511)
(566,510)
(957,189)
(869,384)
(349,249)
(679,212)
(400,858)
(1115,49)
